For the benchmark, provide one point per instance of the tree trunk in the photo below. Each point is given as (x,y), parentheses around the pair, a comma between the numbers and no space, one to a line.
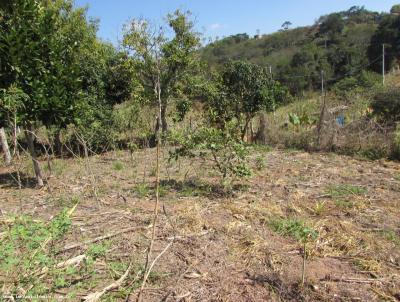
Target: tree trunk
(57,143)
(36,166)
(164,118)
(15,137)
(4,144)
(261,136)
(244,130)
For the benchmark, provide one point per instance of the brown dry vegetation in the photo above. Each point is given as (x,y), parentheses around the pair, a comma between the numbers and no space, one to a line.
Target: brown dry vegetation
(225,247)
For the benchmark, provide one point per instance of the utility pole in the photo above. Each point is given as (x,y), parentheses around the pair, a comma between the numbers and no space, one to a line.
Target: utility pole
(322,114)
(383,64)
(322,83)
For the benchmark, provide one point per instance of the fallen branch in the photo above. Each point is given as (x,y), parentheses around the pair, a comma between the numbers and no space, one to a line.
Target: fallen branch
(353,280)
(97,239)
(93,297)
(73,261)
(178,237)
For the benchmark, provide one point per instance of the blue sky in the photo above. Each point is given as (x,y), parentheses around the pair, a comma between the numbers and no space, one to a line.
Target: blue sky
(221,17)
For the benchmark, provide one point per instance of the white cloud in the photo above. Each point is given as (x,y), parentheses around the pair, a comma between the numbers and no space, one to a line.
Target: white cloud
(216,26)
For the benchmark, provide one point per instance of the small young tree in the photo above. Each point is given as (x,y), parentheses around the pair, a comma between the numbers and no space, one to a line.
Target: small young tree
(221,147)
(164,64)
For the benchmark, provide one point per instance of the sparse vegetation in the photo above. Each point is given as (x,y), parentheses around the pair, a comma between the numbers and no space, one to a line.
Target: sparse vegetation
(128,169)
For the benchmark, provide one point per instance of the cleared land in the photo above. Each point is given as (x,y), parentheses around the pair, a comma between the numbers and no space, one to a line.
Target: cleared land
(241,247)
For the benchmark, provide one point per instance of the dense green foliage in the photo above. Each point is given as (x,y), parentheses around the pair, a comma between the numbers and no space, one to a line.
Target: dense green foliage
(55,59)
(386,105)
(243,90)
(336,44)
(388,33)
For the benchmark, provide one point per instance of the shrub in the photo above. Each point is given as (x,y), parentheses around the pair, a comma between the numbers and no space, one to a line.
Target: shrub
(396,144)
(348,87)
(386,105)
(222,148)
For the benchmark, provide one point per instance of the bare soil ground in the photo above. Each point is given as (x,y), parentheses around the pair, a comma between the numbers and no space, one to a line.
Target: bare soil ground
(226,248)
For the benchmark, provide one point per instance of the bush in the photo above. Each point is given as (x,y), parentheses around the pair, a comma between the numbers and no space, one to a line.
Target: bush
(347,87)
(223,148)
(396,144)
(386,105)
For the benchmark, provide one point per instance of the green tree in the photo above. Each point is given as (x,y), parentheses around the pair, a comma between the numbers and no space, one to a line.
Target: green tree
(42,43)
(306,66)
(286,25)
(332,25)
(395,9)
(388,33)
(165,64)
(244,90)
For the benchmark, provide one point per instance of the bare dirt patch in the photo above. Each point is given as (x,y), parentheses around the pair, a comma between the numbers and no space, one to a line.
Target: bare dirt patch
(226,248)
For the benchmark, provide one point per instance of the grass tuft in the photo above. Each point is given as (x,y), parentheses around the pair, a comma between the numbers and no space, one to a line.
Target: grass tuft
(118,166)
(345,190)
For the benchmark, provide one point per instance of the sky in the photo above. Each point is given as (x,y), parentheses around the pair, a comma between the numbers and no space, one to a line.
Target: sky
(219,18)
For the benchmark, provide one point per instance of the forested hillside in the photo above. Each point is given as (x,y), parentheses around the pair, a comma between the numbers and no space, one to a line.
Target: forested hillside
(339,44)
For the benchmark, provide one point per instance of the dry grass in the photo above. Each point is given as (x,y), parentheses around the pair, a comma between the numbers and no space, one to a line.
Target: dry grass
(226,248)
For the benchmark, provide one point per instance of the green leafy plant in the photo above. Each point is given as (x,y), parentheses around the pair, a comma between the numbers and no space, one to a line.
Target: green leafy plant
(386,105)
(391,236)
(220,147)
(142,190)
(297,229)
(260,163)
(97,250)
(292,227)
(294,119)
(23,253)
(345,204)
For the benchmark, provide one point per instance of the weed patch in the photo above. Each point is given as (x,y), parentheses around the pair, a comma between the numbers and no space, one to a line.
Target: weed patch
(294,228)
(118,166)
(23,256)
(345,190)
(344,204)
(392,236)
(142,190)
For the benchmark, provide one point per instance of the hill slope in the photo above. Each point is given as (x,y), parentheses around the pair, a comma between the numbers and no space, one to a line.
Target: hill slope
(336,43)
